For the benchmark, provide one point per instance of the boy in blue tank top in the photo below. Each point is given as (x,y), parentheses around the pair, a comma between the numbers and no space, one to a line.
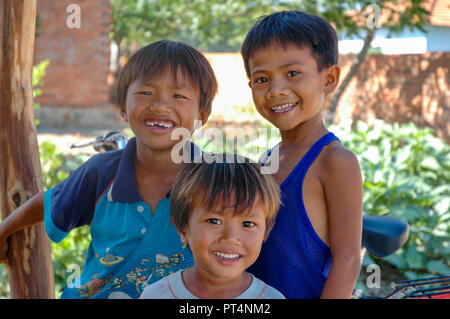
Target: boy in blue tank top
(313,250)
(124,195)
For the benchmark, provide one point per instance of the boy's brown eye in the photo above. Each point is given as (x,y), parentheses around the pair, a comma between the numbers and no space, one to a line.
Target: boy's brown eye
(248,224)
(293,73)
(145,93)
(261,80)
(214,221)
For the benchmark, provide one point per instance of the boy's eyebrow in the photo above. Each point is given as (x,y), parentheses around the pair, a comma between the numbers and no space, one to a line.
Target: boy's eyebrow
(250,214)
(218,212)
(178,86)
(291,64)
(182,86)
(206,212)
(257,70)
(253,214)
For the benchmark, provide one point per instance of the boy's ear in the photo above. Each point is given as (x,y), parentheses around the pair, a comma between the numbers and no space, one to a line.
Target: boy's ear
(204,115)
(332,75)
(183,237)
(123,113)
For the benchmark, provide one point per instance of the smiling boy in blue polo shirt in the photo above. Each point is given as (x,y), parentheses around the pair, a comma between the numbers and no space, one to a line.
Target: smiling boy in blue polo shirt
(124,195)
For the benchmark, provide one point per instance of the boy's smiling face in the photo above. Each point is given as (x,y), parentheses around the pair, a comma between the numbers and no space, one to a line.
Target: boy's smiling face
(287,87)
(225,243)
(158,105)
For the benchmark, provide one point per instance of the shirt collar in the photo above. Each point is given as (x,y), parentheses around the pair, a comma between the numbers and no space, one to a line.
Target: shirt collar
(124,188)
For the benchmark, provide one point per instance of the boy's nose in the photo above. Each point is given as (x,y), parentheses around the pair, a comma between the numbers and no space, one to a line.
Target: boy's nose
(230,235)
(160,107)
(277,88)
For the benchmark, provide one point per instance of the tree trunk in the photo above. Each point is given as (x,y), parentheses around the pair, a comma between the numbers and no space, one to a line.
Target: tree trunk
(331,115)
(30,266)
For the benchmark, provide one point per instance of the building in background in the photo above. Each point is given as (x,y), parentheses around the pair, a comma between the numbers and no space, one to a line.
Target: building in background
(436,38)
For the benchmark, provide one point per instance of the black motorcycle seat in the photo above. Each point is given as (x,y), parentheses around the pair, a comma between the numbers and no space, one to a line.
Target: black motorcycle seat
(383,235)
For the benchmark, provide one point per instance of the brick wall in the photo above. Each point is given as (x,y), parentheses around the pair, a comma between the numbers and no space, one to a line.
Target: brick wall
(400,88)
(79,57)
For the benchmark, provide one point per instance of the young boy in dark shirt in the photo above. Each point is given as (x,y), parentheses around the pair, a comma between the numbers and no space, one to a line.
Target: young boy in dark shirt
(124,195)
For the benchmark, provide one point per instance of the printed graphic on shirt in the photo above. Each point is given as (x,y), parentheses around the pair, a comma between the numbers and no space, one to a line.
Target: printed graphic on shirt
(136,279)
(110,260)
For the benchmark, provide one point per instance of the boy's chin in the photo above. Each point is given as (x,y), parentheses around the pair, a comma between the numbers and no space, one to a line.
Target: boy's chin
(282,125)
(168,145)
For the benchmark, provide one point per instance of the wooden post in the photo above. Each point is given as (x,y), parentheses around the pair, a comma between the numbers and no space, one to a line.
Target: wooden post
(30,266)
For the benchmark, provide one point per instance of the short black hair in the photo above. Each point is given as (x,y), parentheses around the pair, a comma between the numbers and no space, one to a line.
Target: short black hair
(160,56)
(296,27)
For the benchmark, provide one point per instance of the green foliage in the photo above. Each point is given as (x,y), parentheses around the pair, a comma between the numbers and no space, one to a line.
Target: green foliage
(38,75)
(407,175)
(221,25)
(51,163)
(353,17)
(56,167)
(218,25)
(229,140)
(72,250)
(4,283)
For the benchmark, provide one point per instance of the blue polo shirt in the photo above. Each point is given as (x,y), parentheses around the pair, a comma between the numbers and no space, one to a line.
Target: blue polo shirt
(130,248)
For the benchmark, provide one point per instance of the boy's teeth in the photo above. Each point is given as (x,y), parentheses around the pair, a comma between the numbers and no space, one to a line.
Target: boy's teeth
(282,107)
(158,123)
(226,255)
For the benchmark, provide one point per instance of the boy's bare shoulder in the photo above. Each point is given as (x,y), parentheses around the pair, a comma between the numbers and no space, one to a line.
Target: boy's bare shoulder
(336,157)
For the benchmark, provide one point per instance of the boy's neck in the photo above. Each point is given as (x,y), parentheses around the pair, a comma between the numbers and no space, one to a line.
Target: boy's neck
(305,134)
(206,287)
(154,167)
(156,161)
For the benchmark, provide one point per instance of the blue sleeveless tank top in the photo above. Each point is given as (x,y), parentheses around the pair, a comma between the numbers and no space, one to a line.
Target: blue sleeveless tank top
(294,259)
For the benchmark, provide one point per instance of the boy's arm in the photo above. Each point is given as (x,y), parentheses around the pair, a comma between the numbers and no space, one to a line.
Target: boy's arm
(30,213)
(343,193)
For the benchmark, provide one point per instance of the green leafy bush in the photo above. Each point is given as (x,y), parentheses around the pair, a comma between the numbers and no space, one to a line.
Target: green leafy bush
(407,175)
(38,75)
(56,167)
